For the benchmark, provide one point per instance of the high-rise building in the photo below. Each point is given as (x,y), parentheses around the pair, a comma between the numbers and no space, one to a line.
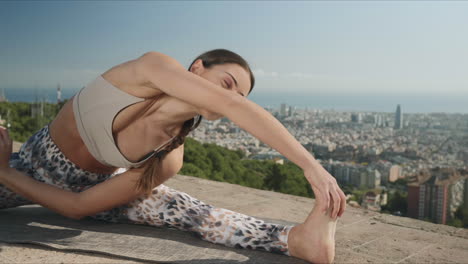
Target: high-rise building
(384,168)
(290,110)
(395,172)
(283,110)
(435,195)
(305,118)
(2,96)
(373,178)
(59,94)
(37,109)
(359,176)
(378,120)
(356,118)
(342,173)
(465,194)
(428,201)
(398,118)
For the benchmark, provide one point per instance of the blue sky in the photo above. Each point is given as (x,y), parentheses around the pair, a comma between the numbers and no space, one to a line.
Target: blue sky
(314,47)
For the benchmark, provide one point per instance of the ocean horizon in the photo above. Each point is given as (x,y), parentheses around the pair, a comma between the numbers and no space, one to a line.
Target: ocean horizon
(341,102)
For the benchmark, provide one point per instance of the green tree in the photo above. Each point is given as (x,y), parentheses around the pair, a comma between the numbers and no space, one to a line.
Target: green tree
(192,170)
(396,202)
(455,222)
(461,216)
(195,153)
(221,164)
(22,125)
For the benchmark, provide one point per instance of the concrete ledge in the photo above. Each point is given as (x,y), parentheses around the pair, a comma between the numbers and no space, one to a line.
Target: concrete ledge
(362,236)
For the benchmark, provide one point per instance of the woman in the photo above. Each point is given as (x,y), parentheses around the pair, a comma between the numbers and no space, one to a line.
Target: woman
(72,166)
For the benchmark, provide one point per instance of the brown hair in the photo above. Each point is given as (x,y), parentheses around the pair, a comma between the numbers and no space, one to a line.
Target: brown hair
(149,179)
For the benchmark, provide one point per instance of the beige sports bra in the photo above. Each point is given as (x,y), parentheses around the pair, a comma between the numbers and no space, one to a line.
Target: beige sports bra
(95,107)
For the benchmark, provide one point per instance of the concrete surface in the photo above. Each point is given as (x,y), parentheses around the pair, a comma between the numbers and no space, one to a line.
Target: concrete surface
(362,236)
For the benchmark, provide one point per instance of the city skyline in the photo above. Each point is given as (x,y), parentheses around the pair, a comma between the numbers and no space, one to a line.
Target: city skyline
(360,103)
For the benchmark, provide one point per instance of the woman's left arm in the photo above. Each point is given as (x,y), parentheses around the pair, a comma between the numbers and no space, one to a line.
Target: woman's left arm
(261,124)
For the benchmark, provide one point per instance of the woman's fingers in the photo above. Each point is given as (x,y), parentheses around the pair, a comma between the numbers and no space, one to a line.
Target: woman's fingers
(7,134)
(4,137)
(5,147)
(343,202)
(326,200)
(336,202)
(5,141)
(1,131)
(327,192)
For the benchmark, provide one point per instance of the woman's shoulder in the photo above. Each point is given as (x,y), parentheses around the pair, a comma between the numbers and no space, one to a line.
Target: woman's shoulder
(131,76)
(154,58)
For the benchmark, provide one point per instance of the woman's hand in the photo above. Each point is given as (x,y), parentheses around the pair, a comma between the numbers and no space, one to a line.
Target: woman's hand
(326,190)
(6,147)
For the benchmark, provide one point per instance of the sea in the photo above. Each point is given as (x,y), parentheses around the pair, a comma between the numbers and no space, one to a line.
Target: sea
(414,103)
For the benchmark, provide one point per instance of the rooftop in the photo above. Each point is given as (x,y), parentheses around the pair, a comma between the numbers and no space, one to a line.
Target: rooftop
(362,236)
(438,176)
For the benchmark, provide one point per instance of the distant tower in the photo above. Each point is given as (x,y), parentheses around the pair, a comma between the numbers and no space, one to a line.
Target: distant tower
(378,121)
(2,96)
(356,118)
(283,110)
(398,118)
(291,110)
(37,108)
(59,94)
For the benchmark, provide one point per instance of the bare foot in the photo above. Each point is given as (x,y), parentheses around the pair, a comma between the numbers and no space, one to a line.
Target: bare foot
(314,240)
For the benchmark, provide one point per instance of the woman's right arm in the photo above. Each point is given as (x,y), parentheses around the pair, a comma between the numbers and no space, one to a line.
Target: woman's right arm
(104,196)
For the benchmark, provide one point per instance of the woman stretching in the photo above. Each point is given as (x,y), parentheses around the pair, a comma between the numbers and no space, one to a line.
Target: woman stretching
(113,144)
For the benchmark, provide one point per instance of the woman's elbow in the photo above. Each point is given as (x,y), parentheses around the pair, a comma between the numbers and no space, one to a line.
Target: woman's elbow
(231,104)
(75,213)
(75,216)
(77,210)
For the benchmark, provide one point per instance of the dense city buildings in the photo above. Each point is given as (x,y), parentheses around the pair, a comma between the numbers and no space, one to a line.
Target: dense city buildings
(369,150)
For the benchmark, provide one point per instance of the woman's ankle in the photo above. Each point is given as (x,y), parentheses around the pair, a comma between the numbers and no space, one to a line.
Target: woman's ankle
(304,245)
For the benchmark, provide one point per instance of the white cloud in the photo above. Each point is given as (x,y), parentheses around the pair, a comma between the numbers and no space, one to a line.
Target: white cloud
(263,73)
(300,75)
(297,75)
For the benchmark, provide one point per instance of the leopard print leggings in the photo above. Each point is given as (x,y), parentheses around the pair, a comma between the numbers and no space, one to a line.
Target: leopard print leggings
(41,159)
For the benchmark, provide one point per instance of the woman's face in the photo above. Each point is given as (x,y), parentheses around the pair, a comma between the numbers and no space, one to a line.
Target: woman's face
(229,76)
